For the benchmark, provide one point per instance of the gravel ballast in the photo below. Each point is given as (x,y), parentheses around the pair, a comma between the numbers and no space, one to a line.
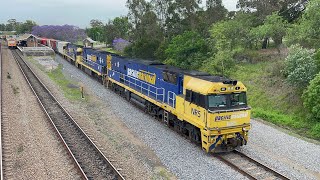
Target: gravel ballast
(31,148)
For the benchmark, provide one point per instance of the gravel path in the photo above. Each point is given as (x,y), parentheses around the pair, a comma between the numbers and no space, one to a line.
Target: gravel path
(181,157)
(31,149)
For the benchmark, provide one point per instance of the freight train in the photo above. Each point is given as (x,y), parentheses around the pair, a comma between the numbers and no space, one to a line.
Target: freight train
(210,110)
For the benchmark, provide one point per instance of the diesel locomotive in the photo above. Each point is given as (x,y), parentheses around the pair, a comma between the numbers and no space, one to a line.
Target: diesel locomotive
(210,110)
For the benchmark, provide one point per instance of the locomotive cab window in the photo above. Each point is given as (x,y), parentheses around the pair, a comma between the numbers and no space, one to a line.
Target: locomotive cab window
(217,101)
(238,99)
(225,101)
(196,98)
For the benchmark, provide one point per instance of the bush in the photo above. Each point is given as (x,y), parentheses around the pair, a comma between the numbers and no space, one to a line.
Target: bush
(220,64)
(300,66)
(311,98)
(187,50)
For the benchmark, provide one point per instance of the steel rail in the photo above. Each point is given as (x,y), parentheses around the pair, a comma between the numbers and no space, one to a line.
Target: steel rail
(242,169)
(67,144)
(1,85)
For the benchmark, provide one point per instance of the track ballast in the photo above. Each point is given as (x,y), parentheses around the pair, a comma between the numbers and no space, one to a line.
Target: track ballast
(91,162)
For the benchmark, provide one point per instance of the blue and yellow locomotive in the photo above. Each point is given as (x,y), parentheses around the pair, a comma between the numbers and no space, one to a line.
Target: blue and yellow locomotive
(210,110)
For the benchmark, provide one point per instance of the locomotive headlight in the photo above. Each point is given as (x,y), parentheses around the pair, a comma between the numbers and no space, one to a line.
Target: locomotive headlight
(244,129)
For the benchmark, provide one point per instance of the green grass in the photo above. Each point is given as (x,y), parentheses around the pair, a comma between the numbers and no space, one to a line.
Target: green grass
(70,91)
(273,100)
(111,50)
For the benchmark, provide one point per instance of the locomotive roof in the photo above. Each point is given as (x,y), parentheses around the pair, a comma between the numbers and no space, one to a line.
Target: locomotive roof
(157,64)
(193,73)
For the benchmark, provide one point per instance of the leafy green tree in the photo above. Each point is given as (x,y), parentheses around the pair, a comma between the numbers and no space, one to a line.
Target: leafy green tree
(300,66)
(222,63)
(26,27)
(146,33)
(262,8)
(233,33)
(96,23)
(307,30)
(11,25)
(187,50)
(117,28)
(2,27)
(274,26)
(97,30)
(215,11)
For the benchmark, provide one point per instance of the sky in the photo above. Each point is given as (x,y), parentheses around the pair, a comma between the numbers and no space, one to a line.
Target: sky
(73,12)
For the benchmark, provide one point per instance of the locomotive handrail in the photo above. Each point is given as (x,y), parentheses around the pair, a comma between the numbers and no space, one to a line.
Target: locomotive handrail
(159,92)
(172,98)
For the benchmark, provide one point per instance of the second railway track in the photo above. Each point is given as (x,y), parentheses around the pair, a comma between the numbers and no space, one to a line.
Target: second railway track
(250,167)
(91,162)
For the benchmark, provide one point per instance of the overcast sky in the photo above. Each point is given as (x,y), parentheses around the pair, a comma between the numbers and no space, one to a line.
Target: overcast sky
(73,12)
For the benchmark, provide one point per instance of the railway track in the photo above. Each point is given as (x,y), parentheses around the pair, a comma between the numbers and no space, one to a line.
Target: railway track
(1,119)
(91,162)
(250,167)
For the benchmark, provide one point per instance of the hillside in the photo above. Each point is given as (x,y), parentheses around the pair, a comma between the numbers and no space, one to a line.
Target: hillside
(270,96)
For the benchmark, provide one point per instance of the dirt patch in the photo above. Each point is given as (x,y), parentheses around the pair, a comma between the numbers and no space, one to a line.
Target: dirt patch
(47,62)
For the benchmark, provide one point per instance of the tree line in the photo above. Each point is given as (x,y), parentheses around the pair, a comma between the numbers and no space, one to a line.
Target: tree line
(186,34)
(19,27)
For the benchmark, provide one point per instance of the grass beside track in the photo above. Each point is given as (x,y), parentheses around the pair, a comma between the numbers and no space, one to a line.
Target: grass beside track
(273,100)
(70,89)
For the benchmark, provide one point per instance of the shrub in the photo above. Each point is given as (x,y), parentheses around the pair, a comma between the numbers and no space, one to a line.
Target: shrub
(311,97)
(300,66)
(187,50)
(220,64)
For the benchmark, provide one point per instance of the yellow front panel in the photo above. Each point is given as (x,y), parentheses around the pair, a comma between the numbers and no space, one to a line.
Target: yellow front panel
(229,119)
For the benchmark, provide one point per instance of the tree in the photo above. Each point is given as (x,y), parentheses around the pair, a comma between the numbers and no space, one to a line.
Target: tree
(300,66)
(262,8)
(2,27)
(96,23)
(187,50)
(222,63)
(64,33)
(26,27)
(234,33)
(215,11)
(146,31)
(12,25)
(307,30)
(274,26)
